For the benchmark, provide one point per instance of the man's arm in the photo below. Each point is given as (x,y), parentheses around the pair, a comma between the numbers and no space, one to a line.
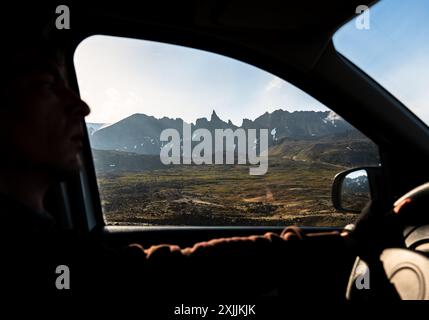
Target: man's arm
(244,266)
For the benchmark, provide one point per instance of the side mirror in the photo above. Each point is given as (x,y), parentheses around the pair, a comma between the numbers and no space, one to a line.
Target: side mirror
(353,189)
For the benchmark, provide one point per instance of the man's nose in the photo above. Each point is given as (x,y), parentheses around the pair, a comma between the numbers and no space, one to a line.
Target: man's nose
(77,106)
(84,108)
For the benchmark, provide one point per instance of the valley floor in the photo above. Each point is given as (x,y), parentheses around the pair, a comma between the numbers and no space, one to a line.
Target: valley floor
(292,192)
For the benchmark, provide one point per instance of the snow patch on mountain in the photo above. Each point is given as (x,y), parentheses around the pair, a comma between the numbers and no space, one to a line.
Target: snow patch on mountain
(332,117)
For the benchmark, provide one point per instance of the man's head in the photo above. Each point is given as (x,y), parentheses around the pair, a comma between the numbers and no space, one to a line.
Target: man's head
(42,118)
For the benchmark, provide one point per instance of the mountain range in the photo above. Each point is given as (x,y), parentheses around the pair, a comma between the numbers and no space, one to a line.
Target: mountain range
(139,133)
(133,144)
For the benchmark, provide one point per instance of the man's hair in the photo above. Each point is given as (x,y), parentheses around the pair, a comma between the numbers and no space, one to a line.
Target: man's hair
(25,38)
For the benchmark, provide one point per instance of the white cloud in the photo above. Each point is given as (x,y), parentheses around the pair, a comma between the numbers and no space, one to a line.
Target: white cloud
(285,96)
(275,83)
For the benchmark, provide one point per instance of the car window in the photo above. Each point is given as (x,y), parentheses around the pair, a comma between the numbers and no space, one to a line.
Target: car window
(389,42)
(181,136)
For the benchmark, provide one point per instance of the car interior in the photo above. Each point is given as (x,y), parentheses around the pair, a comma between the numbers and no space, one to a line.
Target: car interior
(293,41)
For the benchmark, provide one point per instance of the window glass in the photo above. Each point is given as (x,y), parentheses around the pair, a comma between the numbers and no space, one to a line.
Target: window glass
(182,136)
(393,48)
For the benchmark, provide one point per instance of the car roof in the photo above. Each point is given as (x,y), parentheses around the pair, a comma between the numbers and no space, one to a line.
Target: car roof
(295,32)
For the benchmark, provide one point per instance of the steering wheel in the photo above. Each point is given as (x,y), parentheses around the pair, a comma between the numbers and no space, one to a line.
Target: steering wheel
(393,251)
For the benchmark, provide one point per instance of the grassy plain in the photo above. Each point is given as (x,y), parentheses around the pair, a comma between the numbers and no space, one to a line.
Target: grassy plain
(291,192)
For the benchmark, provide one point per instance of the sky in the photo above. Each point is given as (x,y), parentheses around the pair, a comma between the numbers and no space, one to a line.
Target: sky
(394,51)
(118,77)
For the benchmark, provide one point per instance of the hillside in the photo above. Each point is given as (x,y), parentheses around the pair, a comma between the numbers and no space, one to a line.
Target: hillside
(350,150)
